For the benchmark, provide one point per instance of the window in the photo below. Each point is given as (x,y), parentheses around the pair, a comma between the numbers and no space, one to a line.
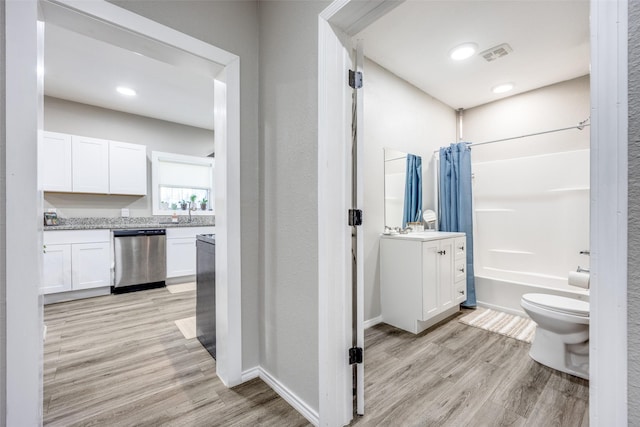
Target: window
(180,183)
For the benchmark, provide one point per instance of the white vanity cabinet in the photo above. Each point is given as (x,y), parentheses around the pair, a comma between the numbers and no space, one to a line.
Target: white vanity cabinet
(79,164)
(181,250)
(422,278)
(76,260)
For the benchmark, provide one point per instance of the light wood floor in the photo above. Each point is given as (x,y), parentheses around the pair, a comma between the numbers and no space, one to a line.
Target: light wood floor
(120,360)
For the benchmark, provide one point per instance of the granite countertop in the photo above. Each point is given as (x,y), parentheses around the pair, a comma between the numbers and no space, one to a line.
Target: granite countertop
(131,222)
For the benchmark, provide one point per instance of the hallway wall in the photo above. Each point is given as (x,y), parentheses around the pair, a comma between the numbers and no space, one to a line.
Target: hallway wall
(289,194)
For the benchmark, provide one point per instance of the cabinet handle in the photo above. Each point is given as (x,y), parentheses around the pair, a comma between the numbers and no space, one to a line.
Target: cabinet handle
(442,252)
(461,292)
(461,270)
(461,248)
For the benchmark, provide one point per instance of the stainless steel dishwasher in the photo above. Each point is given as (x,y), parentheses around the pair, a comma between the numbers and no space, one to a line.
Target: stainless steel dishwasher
(140,259)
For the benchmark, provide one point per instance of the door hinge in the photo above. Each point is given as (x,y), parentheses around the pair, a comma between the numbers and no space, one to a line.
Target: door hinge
(355,355)
(355,79)
(355,217)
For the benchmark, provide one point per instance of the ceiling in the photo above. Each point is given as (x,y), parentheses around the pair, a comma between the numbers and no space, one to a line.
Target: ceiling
(170,84)
(550,42)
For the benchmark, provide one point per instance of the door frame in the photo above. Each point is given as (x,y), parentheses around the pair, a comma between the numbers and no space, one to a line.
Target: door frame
(608,220)
(23,109)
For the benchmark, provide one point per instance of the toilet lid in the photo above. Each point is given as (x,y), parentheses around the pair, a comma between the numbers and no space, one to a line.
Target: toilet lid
(558,303)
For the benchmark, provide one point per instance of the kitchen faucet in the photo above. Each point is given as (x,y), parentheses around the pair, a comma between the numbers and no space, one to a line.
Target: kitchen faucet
(190,207)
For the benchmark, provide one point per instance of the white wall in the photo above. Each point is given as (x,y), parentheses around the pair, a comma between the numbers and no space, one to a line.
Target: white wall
(557,106)
(289,194)
(158,135)
(3,225)
(232,26)
(400,116)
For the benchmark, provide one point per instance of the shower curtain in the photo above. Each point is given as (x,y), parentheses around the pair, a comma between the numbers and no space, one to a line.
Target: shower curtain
(456,210)
(413,191)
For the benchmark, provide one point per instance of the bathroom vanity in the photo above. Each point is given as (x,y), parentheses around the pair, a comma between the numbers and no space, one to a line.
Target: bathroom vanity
(423,278)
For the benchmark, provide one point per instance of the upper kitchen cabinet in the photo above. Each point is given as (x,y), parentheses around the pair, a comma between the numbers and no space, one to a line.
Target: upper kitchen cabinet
(90,165)
(127,168)
(79,164)
(55,162)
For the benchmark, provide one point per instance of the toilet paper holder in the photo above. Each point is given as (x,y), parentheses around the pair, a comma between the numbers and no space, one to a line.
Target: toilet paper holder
(582,270)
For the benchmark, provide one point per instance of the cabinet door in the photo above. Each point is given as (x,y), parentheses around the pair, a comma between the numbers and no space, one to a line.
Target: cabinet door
(446,269)
(91,265)
(127,168)
(430,278)
(181,257)
(54,160)
(56,269)
(90,165)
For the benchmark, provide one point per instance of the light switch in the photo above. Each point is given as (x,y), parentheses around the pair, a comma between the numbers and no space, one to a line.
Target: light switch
(124,212)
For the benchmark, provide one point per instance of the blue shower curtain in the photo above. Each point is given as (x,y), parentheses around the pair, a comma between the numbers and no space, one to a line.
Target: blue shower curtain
(456,210)
(413,191)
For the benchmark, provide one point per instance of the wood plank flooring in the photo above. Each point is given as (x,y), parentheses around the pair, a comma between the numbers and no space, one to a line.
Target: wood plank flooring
(120,360)
(457,375)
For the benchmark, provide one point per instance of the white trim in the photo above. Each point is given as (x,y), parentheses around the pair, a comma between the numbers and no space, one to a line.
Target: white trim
(250,374)
(23,230)
(372,322)
(609,139)
(334,237)
(298,404)
(502,309)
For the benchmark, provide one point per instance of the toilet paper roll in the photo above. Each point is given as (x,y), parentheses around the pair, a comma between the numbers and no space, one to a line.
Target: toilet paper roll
(580,280)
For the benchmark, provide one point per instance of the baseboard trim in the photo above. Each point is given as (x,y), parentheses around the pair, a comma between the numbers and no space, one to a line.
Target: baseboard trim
(250,374)
(298,404)
(372,322)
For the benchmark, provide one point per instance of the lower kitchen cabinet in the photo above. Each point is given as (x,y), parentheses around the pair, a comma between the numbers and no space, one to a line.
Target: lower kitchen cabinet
(181,250)
(421,278)
(76,260)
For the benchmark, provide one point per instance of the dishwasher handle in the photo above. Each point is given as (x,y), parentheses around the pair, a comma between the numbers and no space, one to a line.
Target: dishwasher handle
(137,232)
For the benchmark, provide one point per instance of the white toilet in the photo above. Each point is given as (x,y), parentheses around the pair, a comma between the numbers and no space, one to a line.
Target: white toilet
(562,335)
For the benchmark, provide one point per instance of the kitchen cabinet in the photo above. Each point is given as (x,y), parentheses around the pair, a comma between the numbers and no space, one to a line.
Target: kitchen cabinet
(56,269)
(79,164)
(90,165)
(181,250)
(127,168)
(76,260)
(55,162)
(421,278)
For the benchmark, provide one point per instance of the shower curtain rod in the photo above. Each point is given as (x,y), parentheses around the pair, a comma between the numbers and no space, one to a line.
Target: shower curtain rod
(579,126)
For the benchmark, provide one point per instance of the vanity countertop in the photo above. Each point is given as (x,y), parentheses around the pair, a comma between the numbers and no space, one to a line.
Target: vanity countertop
(423,236)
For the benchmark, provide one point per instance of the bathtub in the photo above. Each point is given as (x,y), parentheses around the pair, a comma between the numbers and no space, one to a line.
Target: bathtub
(504,293)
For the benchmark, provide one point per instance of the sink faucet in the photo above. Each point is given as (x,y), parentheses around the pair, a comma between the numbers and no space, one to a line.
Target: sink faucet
(190,207)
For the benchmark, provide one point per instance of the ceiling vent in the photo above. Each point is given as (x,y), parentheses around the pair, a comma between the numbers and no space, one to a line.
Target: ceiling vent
(496,52)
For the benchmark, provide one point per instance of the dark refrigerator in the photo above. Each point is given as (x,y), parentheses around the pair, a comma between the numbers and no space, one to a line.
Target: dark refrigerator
(206,292)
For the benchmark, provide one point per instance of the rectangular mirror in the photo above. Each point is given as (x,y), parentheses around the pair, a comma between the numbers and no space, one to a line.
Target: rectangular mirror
(396,195)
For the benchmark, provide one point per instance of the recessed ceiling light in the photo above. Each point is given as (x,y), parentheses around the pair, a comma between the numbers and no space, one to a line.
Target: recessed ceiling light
(506,87)
(126,91)
(464,51)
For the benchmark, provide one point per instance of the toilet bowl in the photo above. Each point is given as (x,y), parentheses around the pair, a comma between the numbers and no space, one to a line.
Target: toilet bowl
(562,334)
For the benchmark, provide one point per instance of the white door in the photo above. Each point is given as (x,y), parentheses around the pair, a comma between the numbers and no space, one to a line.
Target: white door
(56,269)
(91,264)
(90,165)
(54,159)
(127,168)
(358,141)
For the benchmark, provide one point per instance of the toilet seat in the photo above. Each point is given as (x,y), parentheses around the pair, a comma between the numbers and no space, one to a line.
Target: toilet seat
(559,304)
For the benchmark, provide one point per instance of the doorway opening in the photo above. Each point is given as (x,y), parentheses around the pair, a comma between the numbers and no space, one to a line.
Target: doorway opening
(348,20)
